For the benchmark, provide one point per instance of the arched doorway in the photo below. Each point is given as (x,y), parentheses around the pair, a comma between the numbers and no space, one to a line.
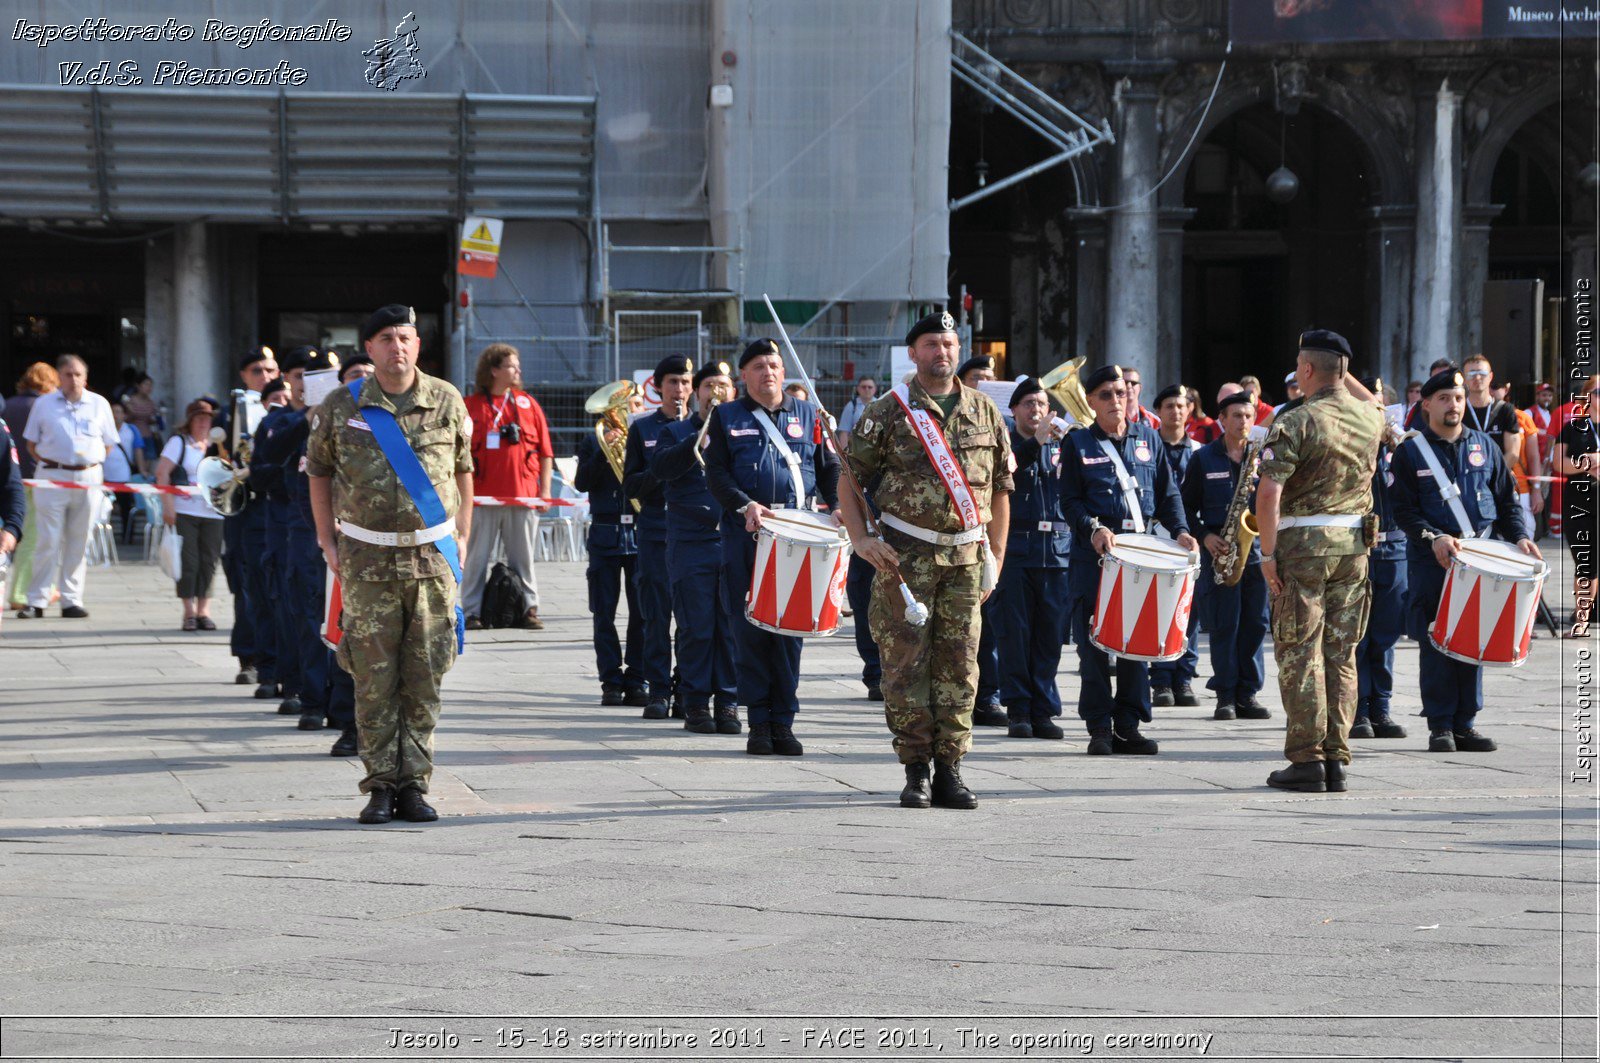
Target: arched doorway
(1256,271)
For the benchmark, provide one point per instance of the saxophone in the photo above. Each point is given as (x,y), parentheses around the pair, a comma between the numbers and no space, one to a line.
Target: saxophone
(1239,528)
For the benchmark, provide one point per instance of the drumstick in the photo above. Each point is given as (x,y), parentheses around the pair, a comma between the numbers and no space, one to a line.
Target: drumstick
(916,613)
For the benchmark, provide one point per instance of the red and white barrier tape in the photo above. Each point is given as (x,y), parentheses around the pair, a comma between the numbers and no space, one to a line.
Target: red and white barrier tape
(518,502)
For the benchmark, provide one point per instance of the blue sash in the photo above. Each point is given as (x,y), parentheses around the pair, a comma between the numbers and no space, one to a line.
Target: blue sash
(414,478)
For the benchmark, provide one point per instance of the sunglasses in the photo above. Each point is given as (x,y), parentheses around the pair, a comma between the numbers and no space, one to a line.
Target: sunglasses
(1113,393)
(1477,372)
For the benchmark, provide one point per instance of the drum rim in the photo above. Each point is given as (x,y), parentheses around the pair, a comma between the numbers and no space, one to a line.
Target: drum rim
(1538,568)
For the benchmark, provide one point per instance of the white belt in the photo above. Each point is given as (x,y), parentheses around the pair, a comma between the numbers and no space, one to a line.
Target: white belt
(416,538)
(1323,520)
(937,538)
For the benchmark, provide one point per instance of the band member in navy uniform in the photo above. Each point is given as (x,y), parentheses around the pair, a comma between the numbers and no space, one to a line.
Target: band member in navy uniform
(858,592)
(1472,463)
(1237,616)
(280,425)
(1029,607)
(750,475)
(1386,571)
(672,380)
(1093,462)
(987,710)
(700,603)
(1172,682)
(613,552)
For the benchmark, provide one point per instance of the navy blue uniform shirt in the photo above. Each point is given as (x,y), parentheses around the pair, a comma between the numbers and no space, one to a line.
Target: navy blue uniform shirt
(692,513)
(1035,503)
(1475,464)
(1092,493)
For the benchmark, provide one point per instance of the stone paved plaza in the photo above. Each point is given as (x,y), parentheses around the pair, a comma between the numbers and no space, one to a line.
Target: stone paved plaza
(172,849)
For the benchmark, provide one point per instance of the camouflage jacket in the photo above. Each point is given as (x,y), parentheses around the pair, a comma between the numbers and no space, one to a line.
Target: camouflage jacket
(1323,452)
(366,491)
(886,454)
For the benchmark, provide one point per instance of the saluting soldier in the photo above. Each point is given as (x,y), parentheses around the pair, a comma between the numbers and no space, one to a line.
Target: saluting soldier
(765,453)
(1236,616)
(700,601)
(1028,611)
(1114,479)
(673,376)
(1314,509)
(1485,503)
(613,555)
(1386,574)
(939,454)
(393,510)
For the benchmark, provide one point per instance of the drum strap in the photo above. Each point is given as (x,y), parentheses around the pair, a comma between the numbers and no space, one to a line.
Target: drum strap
(944,462)
(1451,492)
(790,458)
(1130,486)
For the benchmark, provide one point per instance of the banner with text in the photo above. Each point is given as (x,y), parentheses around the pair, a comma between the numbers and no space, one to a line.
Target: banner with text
(1308,21)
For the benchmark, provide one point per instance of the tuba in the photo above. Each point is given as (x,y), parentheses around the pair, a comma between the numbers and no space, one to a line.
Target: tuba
(1062,385)
(223,478)
(610,404)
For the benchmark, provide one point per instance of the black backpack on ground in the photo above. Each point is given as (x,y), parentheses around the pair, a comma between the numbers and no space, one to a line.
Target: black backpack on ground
(503,596)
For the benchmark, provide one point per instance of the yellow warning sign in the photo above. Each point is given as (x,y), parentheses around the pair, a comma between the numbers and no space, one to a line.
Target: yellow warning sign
(479,255)
(481,234)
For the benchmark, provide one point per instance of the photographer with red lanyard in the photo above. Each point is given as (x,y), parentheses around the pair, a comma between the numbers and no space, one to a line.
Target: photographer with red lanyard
(512,457)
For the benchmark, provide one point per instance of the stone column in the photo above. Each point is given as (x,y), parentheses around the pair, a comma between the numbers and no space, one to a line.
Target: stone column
(1435,294)
(1132,310)
(200,338)
(1474,273)
(1389,264)
(1022,350)
(1169,292)
(160,324)
(1088,329)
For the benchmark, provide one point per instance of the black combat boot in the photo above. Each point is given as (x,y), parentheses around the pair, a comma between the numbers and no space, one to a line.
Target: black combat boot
(948,789)
(247,674)
(311,721)
(1045,727)
(1307,778)
(1333,772)
(380,807)
(613,696)
(1468,740)
(411,806)
(1362,728)
(1442,742)
(1225,709)
(636,697)
(698,719)
(1383,726)
(267,691)
(918,792)
(989,714)
(1161,697)
(1019,724)
(1126,739)
(874,692)
(347,745)
(759,743)
(1183,694)
(290,706)
(656,709)
(784,743)
(1249,708)
(1099,742)
(727,717)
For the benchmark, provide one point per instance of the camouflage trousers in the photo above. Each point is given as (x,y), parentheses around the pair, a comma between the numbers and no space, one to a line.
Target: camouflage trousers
(399,641)
(1317,622)
(930,673)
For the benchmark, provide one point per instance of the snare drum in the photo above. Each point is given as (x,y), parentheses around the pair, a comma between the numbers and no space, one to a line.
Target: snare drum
(1489,604)
(1146,590)
(797,585)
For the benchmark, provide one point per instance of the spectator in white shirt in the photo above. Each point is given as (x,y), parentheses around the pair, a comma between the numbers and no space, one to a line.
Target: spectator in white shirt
(199,525)
(124,462)
(69,432)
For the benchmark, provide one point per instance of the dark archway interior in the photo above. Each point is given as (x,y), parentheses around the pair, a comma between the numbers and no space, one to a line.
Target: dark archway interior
(1256,272)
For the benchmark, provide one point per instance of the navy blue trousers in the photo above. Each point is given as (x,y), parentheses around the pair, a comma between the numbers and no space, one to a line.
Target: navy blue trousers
(858,591)
(988,657)
(1452,690)
(768,663)
(706,673)
(1237,618)
(1385,623)
(1097,704)
(285,620)
(610,576)
(242,639)
(258,589)
(325,687)
(1028,615)
(655,616)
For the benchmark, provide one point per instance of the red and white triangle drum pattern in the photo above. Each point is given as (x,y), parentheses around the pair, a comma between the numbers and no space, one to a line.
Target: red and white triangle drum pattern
(1489,604)
(1146,591)
(797,584)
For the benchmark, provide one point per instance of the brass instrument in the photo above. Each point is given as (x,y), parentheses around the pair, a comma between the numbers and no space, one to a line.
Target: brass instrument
(610,404)
(1063,385)
(1239,529)
(223,477)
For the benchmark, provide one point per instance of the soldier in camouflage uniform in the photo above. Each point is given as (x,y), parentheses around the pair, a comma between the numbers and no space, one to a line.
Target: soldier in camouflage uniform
(399,600)
(930,673)
(1314,508)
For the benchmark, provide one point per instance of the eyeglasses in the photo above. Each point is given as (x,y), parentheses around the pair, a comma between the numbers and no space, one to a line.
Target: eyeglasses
(1113,393)
(1132,382)
(1477,372)
(258,369)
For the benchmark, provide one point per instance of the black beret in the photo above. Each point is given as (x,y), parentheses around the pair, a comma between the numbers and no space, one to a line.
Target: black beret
(295,358)
(940,322)
(393,314)
(1444,378)
(254,355)
(1104,374)
(1030,386)
(359,359)
(672,365)
(711,369)
(275,385)
(977,361)
(758,349)
(317,361)
(1320,339)
(1171,391)
(1238,398)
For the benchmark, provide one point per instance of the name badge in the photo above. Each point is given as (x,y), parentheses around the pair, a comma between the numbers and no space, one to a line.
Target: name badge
(1425,472)
(492,441)
(744,431)
(356,422)
(1216,476)
(627,518)
(650,442)
(1101,460)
